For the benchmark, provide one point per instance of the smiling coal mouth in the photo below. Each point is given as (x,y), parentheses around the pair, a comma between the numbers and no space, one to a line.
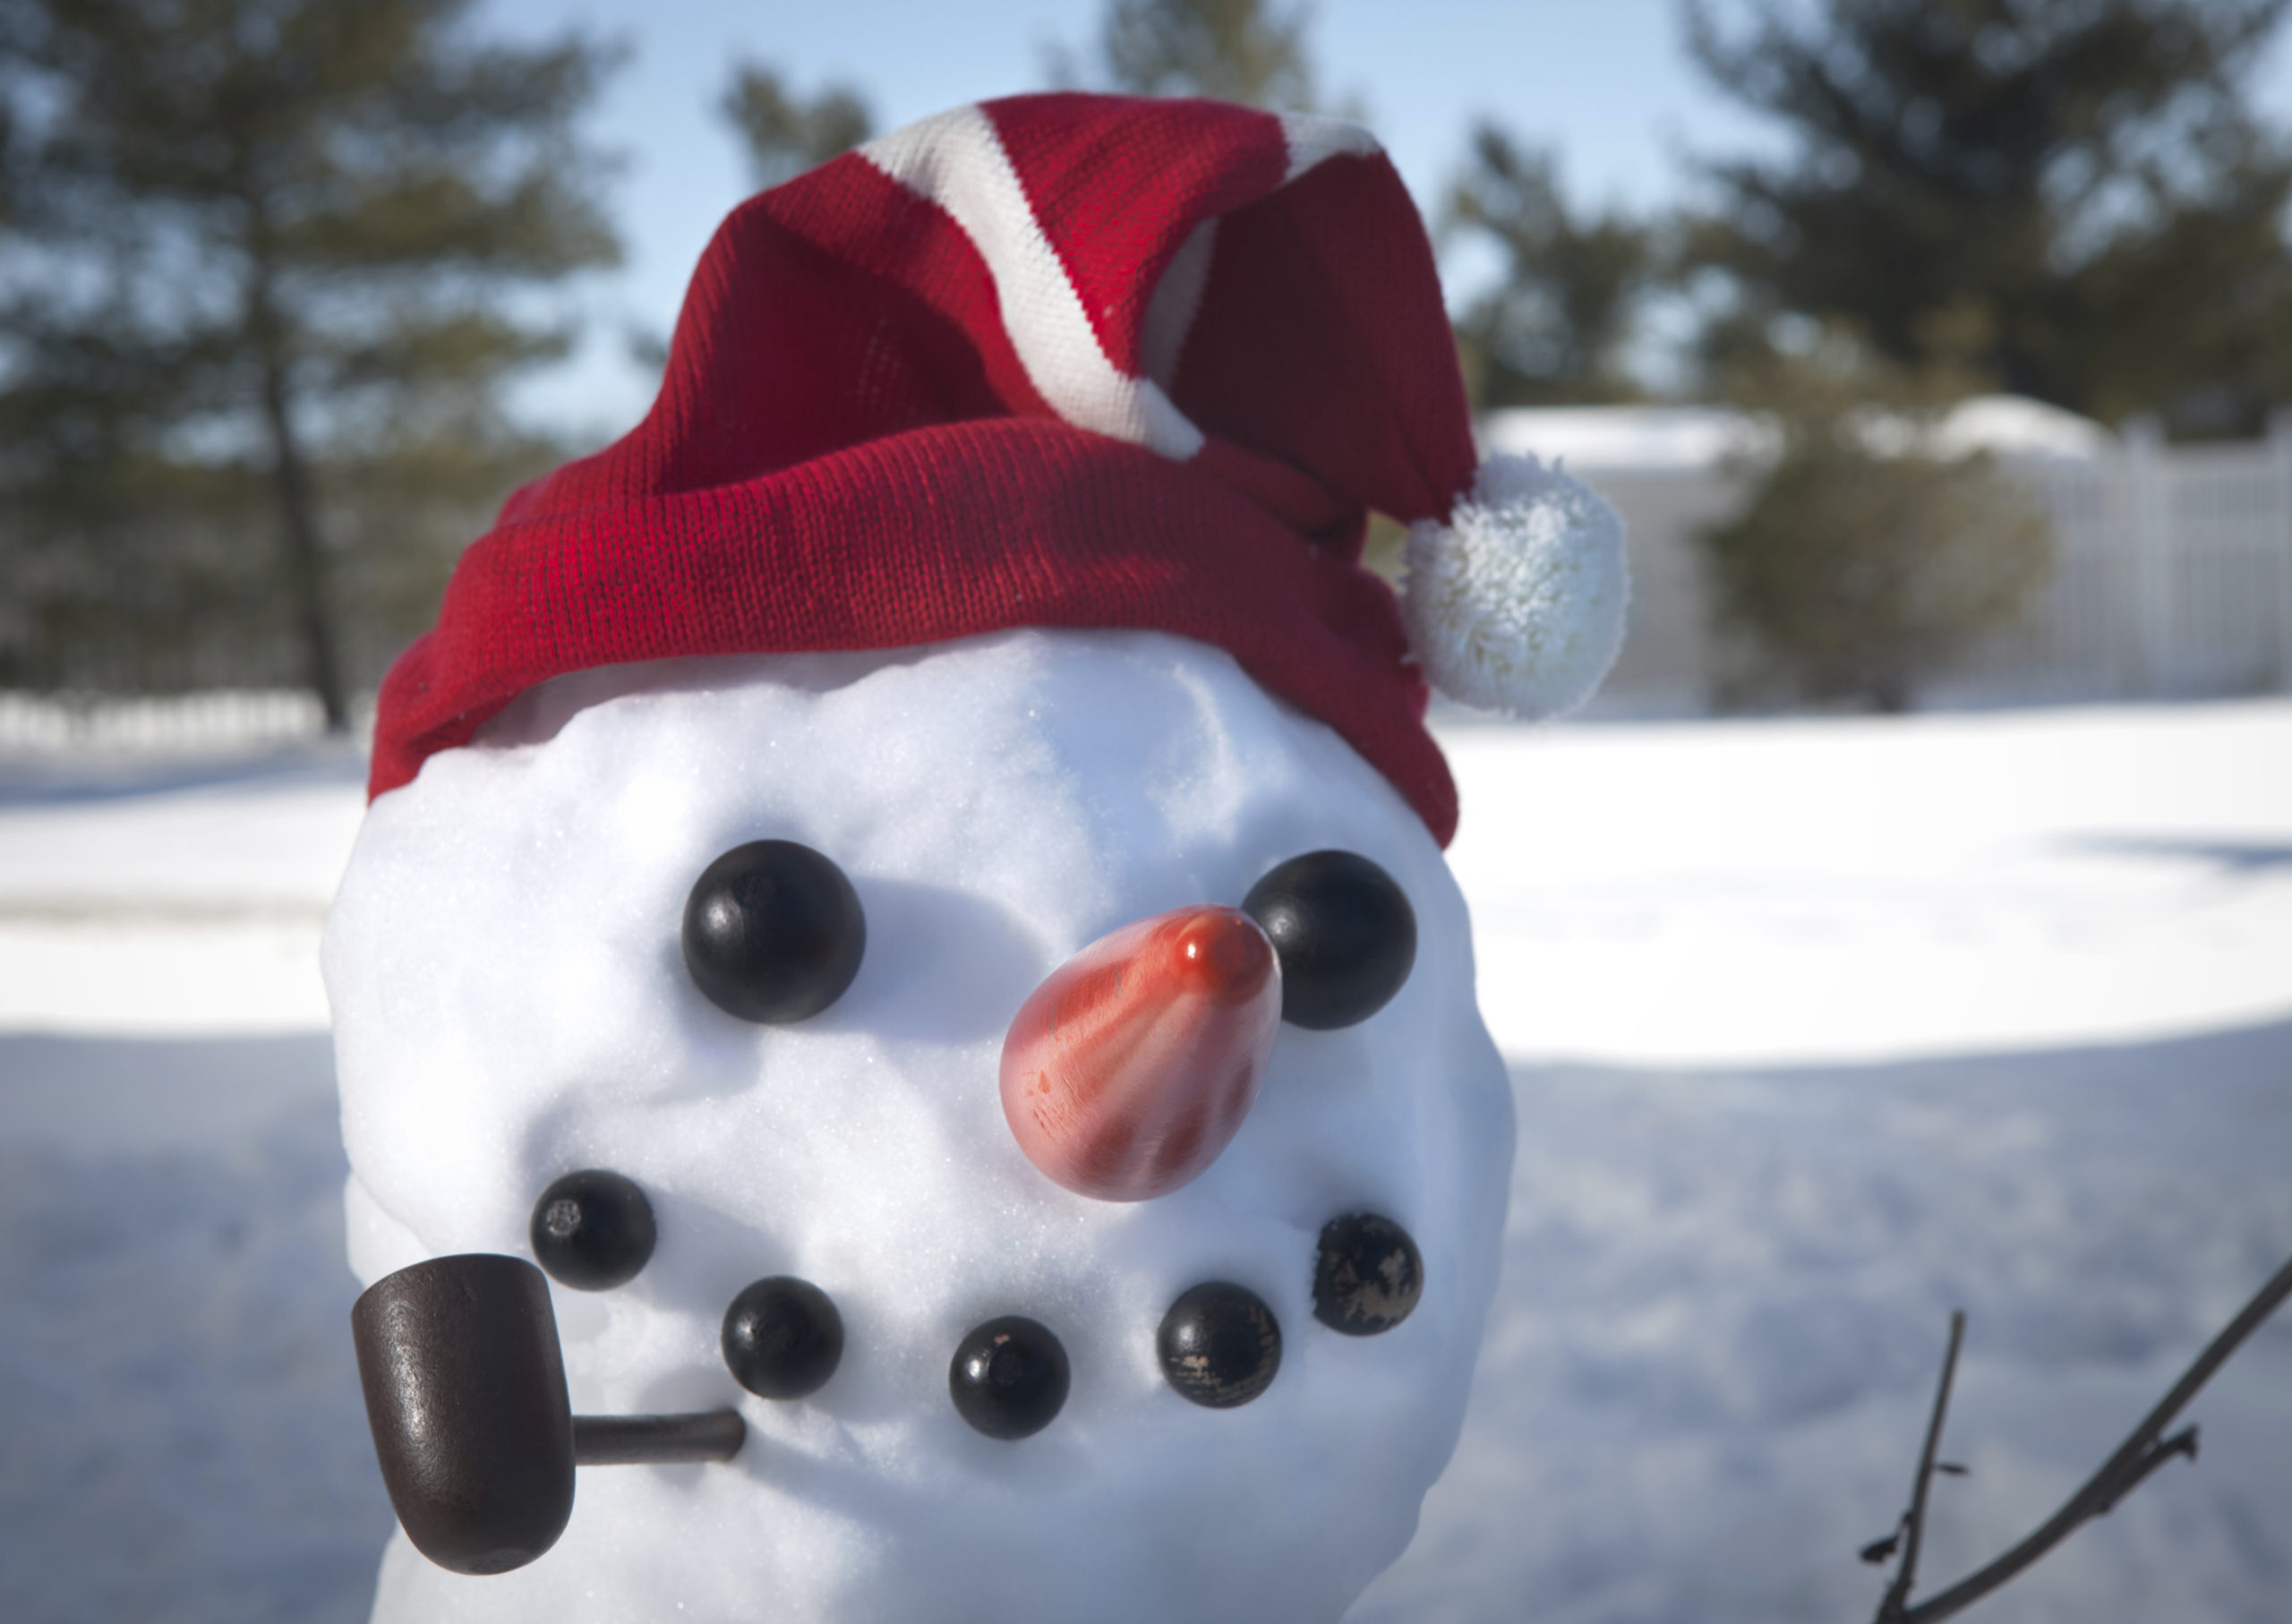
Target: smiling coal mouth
(465,1379)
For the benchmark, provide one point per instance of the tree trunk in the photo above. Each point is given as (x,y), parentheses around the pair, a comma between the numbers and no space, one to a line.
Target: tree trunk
(290,482)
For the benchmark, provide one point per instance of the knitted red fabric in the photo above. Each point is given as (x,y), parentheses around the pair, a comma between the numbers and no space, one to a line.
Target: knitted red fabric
(884,423)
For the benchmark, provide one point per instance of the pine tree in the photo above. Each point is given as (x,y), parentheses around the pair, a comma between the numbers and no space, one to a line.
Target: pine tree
(1247,51)
(1554,327)
(1867,558)
(784,133)
(256,260)
(2081,184)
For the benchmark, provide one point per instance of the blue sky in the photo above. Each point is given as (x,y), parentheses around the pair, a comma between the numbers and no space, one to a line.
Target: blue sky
(1605,82)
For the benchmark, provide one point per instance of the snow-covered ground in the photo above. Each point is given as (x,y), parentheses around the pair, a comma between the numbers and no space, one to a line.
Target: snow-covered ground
(1819,1029)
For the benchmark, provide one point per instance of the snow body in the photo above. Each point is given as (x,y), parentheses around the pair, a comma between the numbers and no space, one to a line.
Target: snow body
(510,1004)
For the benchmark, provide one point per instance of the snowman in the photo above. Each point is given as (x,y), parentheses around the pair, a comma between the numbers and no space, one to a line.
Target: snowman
(901,1017)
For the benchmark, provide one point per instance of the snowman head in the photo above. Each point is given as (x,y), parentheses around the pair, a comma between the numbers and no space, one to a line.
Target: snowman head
(910,886)
(1203,1428)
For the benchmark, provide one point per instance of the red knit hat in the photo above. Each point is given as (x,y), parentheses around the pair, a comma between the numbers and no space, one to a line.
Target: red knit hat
(1058,361)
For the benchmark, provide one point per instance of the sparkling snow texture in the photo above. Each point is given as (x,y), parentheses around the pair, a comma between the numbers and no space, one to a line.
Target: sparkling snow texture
(510,1003)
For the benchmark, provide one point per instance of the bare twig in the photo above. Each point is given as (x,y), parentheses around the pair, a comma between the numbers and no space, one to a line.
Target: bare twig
(2136,1457)
(1914,1522)
(2183,1442)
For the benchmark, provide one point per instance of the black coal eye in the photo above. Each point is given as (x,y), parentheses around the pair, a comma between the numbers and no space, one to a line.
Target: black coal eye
(773,932)
(1344,932)
(1009,1377)
(1219,1345)
(593,1230)
(1368,1275)
(783,1338)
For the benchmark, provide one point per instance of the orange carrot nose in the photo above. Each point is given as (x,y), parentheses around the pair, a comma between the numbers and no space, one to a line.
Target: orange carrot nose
(1130,1067)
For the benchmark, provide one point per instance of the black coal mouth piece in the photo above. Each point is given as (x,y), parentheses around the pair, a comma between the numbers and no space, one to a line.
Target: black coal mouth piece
(464,1388)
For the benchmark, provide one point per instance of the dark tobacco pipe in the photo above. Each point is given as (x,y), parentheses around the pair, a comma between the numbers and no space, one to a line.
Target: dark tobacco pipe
(478,1441)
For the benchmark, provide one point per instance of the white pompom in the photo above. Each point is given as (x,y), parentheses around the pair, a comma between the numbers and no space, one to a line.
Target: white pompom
(1517,603)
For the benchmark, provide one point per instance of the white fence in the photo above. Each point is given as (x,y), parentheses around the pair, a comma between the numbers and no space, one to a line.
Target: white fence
(2172,564)
(2172,575)
(211,719)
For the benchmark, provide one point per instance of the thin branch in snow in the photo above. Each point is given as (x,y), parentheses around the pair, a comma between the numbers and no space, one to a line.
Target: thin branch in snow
(1914,1521)
(2183,1442)
(2141,1453)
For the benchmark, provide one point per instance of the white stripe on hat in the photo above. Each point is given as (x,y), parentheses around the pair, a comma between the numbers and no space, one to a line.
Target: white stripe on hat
(1314,140)
(957,161)
(1176,301)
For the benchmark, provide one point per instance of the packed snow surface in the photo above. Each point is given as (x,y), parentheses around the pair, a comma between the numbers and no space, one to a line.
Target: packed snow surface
(1702,894)
(169,897)
(511,1005)
(1739,1218)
